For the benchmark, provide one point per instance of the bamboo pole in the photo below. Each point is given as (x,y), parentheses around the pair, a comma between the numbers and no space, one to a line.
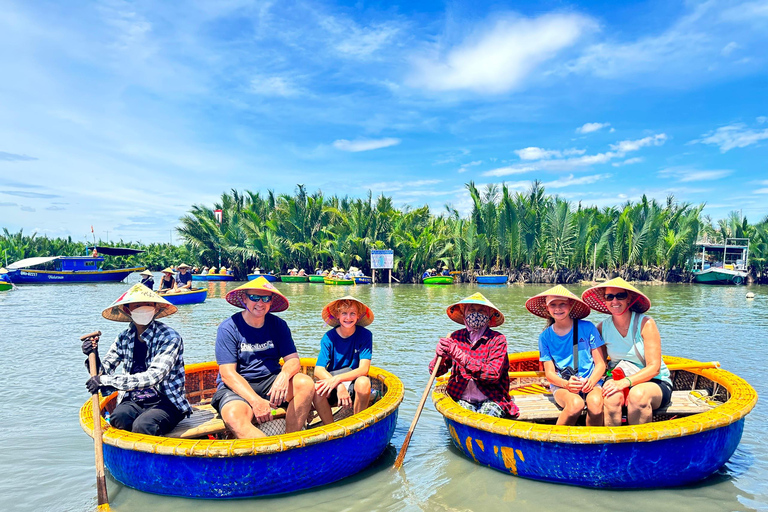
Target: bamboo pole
(101,481)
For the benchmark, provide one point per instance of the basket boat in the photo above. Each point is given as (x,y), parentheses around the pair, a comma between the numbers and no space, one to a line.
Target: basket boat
(330,281)
(494,279)
(193,296)
(687,441)
(363,279)
(294,279)
(316,279)
(438,280)
(212,277)
(4,286)
(269,277)
(238,468)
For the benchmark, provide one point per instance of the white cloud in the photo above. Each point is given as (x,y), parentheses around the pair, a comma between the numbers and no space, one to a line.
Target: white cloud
(592,127)
(729,49)
(351,39)
(355,146)
(626,146)
(497,58)
(685,175)
(762,119)
(571,181)
(273,86)
(464,167)
(629,161)
(534,153)
(732,136)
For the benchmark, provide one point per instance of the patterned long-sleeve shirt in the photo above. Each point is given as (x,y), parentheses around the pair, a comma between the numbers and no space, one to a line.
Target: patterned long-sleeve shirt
(165,369)
(487,365)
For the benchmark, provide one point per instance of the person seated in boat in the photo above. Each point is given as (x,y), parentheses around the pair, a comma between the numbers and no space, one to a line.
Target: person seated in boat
(94,253)
(477,357)
(147,279)
(426,274)
(167,283)
(183,279)
(212,271)
(257,271)
(251,382)
(633,345)
(341,371)
(572,382)
(151,399)
(445,271)
(204,272)
(302,272)
(223,271)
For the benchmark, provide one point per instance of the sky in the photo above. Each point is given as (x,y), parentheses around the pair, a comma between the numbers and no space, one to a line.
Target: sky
(121,115)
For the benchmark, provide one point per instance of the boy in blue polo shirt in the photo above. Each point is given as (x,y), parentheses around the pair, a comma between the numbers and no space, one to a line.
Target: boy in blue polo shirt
(341,371)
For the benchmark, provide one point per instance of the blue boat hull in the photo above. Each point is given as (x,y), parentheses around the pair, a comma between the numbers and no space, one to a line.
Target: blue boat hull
(255,475)
(269,277)
(492,279)
(212,277)
(193,297)
(363,280)
(664,463)
(30,276)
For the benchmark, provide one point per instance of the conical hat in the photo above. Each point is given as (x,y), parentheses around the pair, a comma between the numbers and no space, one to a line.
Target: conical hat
(538,303)
(595,296)
(237,297)
(146,273)
(3,270)
(137,293)
(456,312)
(331,316)
(168,270)
(183,265)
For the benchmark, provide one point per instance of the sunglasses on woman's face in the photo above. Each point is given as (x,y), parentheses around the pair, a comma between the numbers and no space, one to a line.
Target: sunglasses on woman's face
(618,296)
(257,298)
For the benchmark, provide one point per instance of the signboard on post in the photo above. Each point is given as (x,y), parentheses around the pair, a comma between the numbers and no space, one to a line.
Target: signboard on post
(382,259)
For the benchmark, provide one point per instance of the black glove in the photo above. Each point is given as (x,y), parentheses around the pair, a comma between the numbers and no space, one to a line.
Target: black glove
(88,347)
(93,384)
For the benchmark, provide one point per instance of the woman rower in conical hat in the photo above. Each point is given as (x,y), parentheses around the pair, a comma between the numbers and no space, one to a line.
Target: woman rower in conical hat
(572,383)
(345,358)
(151,399)
(633,344)
(477,358)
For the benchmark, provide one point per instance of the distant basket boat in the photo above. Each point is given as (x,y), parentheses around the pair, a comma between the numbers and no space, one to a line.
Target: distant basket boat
(4,286)
(690,440)
(269,277)
(438,280)
(193,296)
(212,277)
(316,279)
(294,279)
(232,468)
(363,279)
(493,279)
(333,281)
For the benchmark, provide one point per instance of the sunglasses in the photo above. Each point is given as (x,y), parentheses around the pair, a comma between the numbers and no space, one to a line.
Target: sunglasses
(257,298)
(618,296)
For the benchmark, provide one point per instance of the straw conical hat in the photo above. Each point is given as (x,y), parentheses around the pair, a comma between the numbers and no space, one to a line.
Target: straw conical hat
(331,317)
(595,296)
(3,270)
(538,304)
(456,312)
(146,273)
(183,265)
(168,270)
(236,297)
(137,293)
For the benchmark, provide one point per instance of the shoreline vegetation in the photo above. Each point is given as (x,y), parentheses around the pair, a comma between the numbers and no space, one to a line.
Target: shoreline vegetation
(529,236)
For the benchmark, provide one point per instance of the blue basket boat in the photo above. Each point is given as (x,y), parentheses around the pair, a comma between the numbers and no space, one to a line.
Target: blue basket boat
(687,441)
(495,279)
(269,277)
(363,279)
(212,277)
(239,468)
(193,296)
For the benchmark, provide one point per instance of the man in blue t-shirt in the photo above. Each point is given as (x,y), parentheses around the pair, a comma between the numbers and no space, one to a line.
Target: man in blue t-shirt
(184,278)
(251,381)
(345,358)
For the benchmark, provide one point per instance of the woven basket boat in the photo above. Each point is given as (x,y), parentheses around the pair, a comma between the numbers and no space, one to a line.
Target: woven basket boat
(316,279)
(237,468)
(294,279)
(212,277)
(269,277)
(363,279)
(687,441)
(339,282)
(438,280)
(494,279)
(193,296)
(5,286)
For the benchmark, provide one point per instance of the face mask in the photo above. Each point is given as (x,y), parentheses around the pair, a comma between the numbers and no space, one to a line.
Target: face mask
(476,320)
(143,315)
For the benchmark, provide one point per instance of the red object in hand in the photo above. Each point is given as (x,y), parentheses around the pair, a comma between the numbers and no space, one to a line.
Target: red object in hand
(617,374)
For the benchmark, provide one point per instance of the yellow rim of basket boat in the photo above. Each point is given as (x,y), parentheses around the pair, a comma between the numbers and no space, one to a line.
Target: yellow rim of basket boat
(243,447)
(743,399)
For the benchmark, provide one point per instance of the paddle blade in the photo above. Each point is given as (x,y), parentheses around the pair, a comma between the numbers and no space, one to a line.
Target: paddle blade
(401,456)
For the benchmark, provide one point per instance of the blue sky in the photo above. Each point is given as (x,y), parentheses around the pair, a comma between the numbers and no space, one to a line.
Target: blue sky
(122,114)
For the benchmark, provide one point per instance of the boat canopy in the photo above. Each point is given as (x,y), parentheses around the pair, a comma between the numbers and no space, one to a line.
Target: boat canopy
(117,251)
(31,262)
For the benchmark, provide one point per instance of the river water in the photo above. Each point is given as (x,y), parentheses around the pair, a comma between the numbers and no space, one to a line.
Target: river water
(46,460)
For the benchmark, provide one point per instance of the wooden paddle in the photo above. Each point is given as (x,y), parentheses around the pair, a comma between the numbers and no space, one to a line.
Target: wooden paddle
(671,367)
(101,481)
(401,455)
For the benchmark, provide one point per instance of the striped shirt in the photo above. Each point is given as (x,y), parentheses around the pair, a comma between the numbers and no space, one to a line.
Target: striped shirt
(165,369)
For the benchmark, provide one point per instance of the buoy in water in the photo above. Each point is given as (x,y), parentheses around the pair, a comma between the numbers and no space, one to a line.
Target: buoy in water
(750,295)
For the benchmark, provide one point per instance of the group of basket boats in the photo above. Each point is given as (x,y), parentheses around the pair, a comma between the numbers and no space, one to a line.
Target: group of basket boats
(688,440)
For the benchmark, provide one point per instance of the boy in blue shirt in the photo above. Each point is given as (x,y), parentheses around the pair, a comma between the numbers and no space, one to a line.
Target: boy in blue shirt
(341,371)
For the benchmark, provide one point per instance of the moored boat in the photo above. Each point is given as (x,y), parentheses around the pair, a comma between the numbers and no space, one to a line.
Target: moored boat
(492,279)
(193,296)
(232,468)
(724,263)
(438,280)
(363,279)
(316,279)
(269,277)
(294,279)
(687,441)
(334,281)
(70,269)
(212,277)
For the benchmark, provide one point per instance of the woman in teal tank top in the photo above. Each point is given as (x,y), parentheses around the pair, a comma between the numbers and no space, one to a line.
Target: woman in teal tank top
(631,336)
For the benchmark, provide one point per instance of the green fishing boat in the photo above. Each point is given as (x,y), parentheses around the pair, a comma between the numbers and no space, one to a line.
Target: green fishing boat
(294,279)
(316,279)
(338,281)
(438,280)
